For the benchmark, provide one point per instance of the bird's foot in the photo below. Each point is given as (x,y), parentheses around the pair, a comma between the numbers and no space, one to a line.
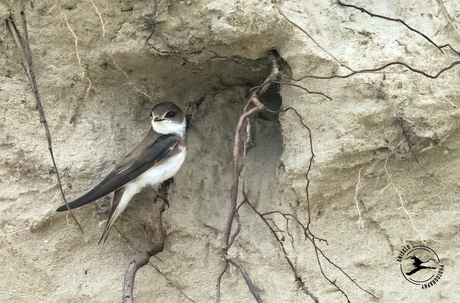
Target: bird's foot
(163,190)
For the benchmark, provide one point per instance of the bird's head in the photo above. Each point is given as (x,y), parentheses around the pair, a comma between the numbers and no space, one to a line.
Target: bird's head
(168,118)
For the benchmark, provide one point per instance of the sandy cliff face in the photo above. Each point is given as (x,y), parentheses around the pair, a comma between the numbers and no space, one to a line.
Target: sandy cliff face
(384,176)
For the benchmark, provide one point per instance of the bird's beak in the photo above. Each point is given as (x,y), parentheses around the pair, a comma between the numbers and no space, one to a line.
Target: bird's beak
(158,119)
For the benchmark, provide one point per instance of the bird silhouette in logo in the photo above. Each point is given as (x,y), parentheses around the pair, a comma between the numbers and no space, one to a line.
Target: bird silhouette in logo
(417,264)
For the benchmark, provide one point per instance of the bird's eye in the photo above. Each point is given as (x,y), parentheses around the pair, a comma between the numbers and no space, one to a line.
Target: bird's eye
(170,114)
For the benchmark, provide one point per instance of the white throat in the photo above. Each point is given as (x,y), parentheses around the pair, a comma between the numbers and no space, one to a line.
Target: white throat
(167,127)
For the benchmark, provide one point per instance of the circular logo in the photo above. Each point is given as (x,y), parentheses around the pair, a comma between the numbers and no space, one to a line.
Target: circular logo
(420,265)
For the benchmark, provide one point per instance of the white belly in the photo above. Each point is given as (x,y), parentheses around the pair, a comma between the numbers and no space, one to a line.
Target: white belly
(162,172)
(153,176)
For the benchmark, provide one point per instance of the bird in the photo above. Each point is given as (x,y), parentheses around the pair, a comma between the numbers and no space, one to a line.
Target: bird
(417,264)
(158,157)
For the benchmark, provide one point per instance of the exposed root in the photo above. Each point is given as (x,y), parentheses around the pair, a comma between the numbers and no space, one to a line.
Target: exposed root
(129,81)
(100,17)
(308,35)
(373,70)
(155,246)
(297,276)
(444,11)
(402,202)
(78,56)
(28,66)
(390,19)
(360,224)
